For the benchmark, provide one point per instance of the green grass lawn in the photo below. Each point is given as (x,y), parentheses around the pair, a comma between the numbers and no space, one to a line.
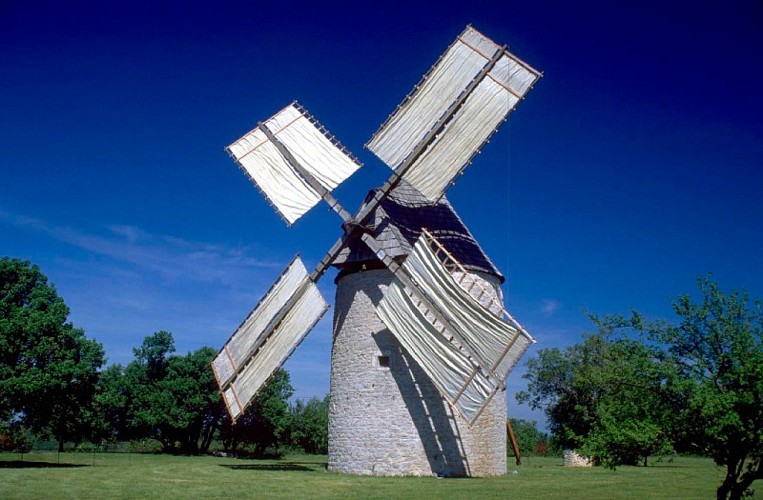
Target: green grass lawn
(124,475)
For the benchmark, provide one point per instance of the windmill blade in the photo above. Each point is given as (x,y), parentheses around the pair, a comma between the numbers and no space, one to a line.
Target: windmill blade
(443,124)
(516,347)
(439,316)
(494,341)
(267,337)
(452,113)
(279,153)
(457,379)
(499,342)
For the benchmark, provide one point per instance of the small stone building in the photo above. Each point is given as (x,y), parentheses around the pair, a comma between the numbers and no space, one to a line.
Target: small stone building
(385,415)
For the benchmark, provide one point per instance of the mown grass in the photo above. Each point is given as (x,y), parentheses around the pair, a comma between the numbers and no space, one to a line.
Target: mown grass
(124,475)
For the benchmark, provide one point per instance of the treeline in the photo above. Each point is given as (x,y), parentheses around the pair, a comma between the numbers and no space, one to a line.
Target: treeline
(174,400)
(53,385)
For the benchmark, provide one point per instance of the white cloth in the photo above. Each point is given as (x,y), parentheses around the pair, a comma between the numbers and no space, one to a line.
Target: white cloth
(241,370)
(481,114)
(488,336)
(447,366)
(316,152)
(298,322)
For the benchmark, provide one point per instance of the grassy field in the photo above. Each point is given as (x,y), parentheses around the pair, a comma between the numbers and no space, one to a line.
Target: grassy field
(124,475)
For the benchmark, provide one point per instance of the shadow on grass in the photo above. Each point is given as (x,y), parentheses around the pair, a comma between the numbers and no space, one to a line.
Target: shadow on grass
(270,467)
(21,464)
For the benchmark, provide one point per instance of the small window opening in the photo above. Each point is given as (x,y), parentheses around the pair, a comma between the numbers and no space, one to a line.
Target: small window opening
(383,361)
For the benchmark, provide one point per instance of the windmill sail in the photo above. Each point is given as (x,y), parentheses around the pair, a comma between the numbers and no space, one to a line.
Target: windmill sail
(453,111)
(453,373)
(266,338)
(466,386)
(500,342)
(298,138)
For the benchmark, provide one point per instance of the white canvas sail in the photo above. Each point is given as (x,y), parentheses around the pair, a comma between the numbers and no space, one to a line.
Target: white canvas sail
(305,313)
(309,144)
(493,338)
(463,132)
(455,376)
(265,339)
(488,335)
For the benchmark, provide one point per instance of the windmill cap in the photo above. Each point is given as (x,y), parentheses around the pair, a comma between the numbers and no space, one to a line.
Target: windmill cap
(396,224)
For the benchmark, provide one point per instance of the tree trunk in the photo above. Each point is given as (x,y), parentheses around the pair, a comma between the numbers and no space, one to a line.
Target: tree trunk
(729,487)
(61,445)
(191,446)
(745,481)
(207,436)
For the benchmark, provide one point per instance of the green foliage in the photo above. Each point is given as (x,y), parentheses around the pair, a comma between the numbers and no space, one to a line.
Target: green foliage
(14,437)
(172,399)
(265,423)
(110,403)
(153,354)
(634,408)
(530,440)
(310,425)
(716,351)
(695,385)
(48,368)
(629,441)
(567,384)
(184,406)
(145,446)
(603,397)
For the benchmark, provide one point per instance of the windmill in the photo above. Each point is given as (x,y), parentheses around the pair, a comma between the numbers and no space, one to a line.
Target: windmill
(422,342)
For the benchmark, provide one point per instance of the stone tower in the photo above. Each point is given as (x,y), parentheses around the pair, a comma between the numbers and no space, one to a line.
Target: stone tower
(385,415)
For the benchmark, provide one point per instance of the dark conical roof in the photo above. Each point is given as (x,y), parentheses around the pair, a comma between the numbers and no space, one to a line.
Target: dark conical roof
(396,225)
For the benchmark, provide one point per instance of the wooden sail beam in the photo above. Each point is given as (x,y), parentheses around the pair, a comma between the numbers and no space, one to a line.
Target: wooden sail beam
(513,441)
(307,176)
(438,314)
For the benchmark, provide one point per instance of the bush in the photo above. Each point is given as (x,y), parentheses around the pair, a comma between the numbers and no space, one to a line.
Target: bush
(15,438)
(86,447)
(6,443)
(145,446)
(310,425)
(540,449)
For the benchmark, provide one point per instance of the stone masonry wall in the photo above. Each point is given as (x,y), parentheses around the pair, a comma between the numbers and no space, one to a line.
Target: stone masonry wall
(573,459)
(391,420)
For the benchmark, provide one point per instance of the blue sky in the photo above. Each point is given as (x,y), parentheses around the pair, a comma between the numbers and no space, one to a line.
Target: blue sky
(631,168)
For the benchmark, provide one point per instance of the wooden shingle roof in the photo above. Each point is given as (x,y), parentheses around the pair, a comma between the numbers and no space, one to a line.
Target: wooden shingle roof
(396,225)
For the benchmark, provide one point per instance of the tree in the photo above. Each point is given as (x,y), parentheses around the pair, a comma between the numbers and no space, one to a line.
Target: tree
(634,406)
(48,368)
(310,425)
(153,354)
(265,422)
(604,397)
(170,398)
(189,401)
(567,385)
(111,419)
(716,354)
(144,405)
